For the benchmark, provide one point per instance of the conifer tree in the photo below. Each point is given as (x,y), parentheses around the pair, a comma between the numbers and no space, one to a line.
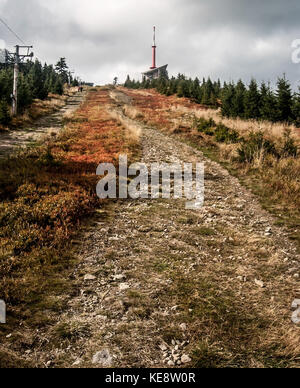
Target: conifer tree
(252,101)
(195,89)
(227,99)
(25,93)
(58,87)
(268,107)
(128,82)
(296,108)
(207,92)
(284,100)
(183,88)
(238,100)
(37,81)
(62,69)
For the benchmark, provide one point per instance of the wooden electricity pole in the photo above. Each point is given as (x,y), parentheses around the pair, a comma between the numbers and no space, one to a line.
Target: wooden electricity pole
(17,58)
(16,78)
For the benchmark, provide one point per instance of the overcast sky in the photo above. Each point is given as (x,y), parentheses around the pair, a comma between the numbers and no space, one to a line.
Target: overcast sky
(101,39)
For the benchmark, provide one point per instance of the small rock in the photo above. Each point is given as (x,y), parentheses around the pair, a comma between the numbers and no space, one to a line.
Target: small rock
(101,317)
(259,283)
(118,277)
(114,239)
(163,347)
(296,317)
(183,327)
(295,304)
(124,286)
(171,363)
(77,362)
(296,276)
(9,336)
(185,359)
(89,277)
(103,358)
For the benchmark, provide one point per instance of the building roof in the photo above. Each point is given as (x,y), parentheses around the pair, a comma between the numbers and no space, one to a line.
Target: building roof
(153,71)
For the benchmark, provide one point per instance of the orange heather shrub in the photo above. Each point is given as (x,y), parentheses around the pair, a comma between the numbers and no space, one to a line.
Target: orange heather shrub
(151,101)
(46,191)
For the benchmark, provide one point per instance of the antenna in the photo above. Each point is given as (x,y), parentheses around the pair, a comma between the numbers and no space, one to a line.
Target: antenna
(154,50)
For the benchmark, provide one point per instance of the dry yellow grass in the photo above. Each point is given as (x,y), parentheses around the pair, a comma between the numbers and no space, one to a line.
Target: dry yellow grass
(40,108)
(244,127)
(133,129)
(132,112)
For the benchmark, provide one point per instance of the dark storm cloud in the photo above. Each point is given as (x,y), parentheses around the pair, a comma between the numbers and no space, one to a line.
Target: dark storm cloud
(229,39)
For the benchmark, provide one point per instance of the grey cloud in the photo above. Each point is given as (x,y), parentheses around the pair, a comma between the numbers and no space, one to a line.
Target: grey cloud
(228,39)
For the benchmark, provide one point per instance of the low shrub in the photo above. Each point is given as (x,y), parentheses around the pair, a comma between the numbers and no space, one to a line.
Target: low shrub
(4,113)
(205,126)
(289,149)
(224,134)
(256,145)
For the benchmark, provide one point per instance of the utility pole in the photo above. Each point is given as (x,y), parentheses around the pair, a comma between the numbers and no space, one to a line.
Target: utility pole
(17,58)
(16,78)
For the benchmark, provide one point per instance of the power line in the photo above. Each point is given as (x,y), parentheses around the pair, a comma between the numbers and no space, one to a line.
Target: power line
(12,31)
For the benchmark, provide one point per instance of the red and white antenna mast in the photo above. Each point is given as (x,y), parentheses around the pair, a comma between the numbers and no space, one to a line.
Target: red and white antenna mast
(154,50)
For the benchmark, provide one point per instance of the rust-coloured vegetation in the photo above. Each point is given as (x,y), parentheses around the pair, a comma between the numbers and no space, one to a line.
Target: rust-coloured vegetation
(45,193)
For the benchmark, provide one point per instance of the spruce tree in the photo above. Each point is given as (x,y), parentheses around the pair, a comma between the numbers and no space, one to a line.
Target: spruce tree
(268,107)
(25,93)
(37,81)
(252,101)
(62,69)
(227,100)
(238,100)
(195,89)
(127,82)
(207,92)
(183,89)
(284,100)
(296,108)
(58,87)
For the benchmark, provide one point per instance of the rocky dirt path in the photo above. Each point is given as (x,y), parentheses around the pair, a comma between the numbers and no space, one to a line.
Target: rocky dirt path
(159,285)
(44,126)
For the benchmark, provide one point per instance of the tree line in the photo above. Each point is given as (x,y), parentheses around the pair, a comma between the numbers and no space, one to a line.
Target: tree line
(252,101)
(36,81)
